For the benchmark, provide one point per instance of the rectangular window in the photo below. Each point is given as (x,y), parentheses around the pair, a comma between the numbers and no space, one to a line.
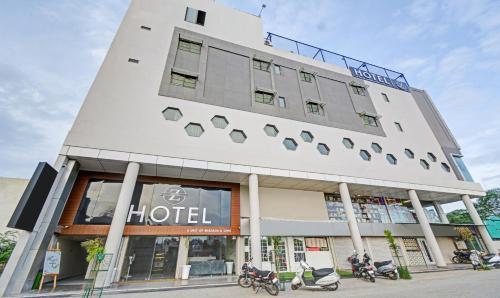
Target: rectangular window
(281,102)
(369,120)
(463,169)
(313,108)
(183,80)
(306,77)
(195,16)
(264,97)
(277,69)
(386,98)
(398,126)
(359,90)
(189,46)
(261,65)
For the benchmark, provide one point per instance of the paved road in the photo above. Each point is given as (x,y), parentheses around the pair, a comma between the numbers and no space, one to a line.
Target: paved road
(463,283)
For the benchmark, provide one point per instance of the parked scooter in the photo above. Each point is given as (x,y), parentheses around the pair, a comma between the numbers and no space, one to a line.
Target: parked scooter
(364,270)
(491,260)
(461,257)
(324,278)
(386,269)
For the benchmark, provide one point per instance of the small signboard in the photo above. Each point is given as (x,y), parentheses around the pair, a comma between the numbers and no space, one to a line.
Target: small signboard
(52,262)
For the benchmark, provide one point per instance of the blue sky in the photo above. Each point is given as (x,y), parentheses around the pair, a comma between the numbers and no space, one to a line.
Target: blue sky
(52,50)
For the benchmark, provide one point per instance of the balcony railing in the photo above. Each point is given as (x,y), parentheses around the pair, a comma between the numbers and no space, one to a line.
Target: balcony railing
(372,72)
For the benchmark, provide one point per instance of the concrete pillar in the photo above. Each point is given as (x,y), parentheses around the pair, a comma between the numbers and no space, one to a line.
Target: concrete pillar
(426,228)
(351,218)
(182,255)
(479,224)
(253,190)
(115,233)
(441,213)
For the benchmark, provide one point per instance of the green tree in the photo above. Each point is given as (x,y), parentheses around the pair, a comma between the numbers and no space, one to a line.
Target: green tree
(489,205)
(459,216)
(7,243)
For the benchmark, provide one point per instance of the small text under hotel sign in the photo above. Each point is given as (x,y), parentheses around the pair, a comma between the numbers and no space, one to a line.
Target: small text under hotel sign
(379,79)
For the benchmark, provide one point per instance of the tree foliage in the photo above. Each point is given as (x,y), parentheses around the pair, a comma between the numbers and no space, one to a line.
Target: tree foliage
(93,248)
(487,206)
(7,243)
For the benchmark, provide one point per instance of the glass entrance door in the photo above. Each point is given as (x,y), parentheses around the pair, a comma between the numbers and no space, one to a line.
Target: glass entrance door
(164,257)
(150,257)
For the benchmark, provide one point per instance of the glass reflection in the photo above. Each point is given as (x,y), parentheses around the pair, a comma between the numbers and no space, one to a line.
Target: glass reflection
(98,203)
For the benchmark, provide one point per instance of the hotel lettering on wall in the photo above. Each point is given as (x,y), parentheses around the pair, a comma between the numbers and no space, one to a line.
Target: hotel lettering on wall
(173,205)
(376,78)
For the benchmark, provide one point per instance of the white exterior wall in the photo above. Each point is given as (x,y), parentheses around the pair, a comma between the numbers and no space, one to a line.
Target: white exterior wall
(122,111)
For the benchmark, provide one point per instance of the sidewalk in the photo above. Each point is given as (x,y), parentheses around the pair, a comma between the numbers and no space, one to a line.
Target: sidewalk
(74,289)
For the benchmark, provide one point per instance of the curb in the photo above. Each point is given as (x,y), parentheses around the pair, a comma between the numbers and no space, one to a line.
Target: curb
(136,290)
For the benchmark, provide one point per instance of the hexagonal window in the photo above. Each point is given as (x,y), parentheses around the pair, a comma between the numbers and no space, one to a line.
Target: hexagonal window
(271,130)
(219,122)
(376,147)
(306,136)
(238,136)
(348,143)
(391,159)
(290,144)
(365,155)
(323,149)
(424,164)
(409,153)
(445,167)
(172,114)
(431,156)
(194,129)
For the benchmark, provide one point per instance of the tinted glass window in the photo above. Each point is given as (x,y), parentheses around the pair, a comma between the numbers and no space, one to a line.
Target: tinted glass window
(179,205)
(98,203)
(463,169)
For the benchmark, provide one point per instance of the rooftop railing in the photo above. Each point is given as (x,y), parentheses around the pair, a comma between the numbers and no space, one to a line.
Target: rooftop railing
(327,56)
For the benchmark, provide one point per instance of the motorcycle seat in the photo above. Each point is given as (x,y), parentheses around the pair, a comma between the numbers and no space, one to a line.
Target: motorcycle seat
(322,272)
(380,264)
(262,273)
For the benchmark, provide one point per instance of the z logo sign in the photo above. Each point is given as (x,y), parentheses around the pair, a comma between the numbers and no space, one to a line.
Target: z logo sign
(174,195)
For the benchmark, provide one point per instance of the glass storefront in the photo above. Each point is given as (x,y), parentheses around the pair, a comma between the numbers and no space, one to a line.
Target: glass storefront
(98,203)
(371,209)
(150,257)
(208,255)
(157,204)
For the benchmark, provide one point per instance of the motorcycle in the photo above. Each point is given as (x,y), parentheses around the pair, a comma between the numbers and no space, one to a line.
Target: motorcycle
(247,275)
(461,257)
(491,260)
(364,270)
(325,278)
(266,280)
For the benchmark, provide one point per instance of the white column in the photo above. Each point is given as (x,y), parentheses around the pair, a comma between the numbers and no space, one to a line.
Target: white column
(441,213)
(479,224)
(426,228)
(351,218)
(253,190)
(120,217)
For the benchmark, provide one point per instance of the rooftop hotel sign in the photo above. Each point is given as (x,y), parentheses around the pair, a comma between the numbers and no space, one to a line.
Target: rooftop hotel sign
(383,80)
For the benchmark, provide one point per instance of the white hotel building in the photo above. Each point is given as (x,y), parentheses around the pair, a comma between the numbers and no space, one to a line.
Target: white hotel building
(201,136)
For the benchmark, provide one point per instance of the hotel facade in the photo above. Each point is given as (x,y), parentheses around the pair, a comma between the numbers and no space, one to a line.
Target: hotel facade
(201,137)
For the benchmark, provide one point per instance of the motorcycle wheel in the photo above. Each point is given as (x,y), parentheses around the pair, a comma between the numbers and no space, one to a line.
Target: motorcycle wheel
(295,287)
(393,276)
(372,278)
(245,282)
(333,287)
(455,260)
(273,289)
